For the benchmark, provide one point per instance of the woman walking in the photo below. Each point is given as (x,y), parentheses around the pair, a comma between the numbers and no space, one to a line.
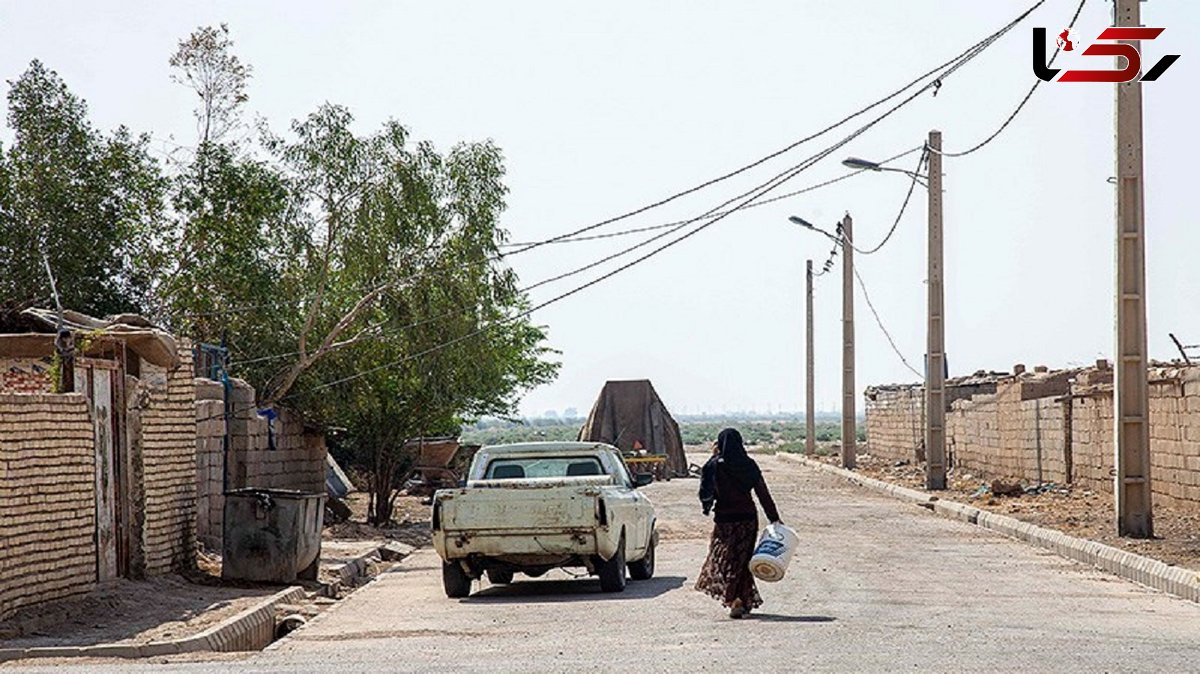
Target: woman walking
(725,486)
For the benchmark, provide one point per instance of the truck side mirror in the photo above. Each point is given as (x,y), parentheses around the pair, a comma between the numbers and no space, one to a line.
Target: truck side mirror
(642,479)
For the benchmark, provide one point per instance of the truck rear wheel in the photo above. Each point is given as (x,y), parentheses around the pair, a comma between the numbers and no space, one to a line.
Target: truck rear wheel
(643,569)
(500,576)
(612,571)
(455,580)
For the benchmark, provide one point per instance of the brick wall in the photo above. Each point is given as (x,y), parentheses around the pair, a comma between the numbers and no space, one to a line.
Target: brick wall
(25,375)
(168,448)
(1037,422)
(895,422)
(297,460)
(47,499)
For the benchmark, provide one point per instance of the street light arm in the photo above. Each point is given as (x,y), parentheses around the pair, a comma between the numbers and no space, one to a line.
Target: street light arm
(796,220)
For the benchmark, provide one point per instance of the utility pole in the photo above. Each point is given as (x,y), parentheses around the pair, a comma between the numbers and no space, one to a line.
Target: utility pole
(810,433)
(935,347)
(1131,428)
(849,423)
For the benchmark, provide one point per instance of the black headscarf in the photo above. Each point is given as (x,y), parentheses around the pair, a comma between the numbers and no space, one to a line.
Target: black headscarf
(731,458)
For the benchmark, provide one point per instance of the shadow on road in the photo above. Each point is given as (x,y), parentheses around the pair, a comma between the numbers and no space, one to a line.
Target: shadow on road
(549,591)
(776,618)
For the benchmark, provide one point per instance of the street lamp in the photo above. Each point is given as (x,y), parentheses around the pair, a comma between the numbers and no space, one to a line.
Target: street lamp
(797,220)
(860,164)
(935,351)
(845,239)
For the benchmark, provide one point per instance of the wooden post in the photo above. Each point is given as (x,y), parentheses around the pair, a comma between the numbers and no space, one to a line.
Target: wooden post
(810,433)
(849,422)
(1131,427)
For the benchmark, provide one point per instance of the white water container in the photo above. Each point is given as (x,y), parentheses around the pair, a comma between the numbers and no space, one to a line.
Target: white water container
(773,553)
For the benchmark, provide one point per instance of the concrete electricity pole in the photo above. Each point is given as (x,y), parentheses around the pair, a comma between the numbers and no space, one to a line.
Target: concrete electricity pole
(810,433)
(849,425)
(1131,427)
(935,358)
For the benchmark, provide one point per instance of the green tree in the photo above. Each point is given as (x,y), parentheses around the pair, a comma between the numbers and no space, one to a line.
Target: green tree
(89,202)
(404,309)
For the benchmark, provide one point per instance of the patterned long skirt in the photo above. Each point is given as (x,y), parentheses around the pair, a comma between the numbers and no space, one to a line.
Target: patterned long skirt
(726,573)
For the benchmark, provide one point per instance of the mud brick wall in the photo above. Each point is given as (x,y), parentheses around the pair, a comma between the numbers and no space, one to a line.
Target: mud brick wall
(47,499)
(896,423)
(168,445)
(25,375)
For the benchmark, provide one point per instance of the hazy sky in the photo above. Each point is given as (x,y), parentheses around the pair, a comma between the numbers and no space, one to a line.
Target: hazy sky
(603,107)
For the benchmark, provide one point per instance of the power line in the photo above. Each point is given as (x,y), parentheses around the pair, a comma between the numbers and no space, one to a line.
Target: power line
(1037,83)
(763,202)
(948,68)
(756,194)
(762,190)
(675,226)
(879,322)
(904,206)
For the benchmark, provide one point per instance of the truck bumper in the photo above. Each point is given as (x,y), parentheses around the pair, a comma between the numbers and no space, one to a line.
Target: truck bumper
(511,543)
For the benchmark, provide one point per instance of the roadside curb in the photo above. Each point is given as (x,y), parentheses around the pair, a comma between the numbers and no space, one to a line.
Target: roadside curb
(348,574)
(250,630)
(390,552)
(1146,571)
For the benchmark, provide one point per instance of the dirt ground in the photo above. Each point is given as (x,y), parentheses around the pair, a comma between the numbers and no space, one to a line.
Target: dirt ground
(1079,512)
(173,607)
(409,525)
(136,612)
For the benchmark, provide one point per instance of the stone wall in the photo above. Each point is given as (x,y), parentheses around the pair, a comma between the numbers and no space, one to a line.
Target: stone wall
(1056,427)
(168,449)
(47,499)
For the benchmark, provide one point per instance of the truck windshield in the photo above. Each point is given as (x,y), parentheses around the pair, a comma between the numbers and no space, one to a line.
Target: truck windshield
(518,468)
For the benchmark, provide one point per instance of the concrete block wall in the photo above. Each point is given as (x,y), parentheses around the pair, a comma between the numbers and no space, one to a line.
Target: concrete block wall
(168,438)
(896,422)
(975,436)
(296,461)
(47,499)
(1034,422)
(1092,439)
(210,433)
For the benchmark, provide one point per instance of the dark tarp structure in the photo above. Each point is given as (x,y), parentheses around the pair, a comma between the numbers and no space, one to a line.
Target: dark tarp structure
(630,416)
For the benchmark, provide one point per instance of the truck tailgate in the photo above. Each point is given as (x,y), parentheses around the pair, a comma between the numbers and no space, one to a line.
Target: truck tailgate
(521,509)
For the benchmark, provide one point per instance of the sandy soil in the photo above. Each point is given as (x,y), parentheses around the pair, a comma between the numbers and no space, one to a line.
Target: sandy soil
(173,607)
(158,609)
(1079,512)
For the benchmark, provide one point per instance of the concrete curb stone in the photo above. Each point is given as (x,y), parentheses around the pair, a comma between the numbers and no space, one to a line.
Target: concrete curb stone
(1146,571)
(392,551)
(250,630)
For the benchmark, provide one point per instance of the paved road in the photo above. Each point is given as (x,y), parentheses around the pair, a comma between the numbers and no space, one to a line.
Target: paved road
(879,586)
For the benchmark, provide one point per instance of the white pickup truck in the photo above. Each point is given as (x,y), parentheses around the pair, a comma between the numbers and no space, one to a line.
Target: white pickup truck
(533,507)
